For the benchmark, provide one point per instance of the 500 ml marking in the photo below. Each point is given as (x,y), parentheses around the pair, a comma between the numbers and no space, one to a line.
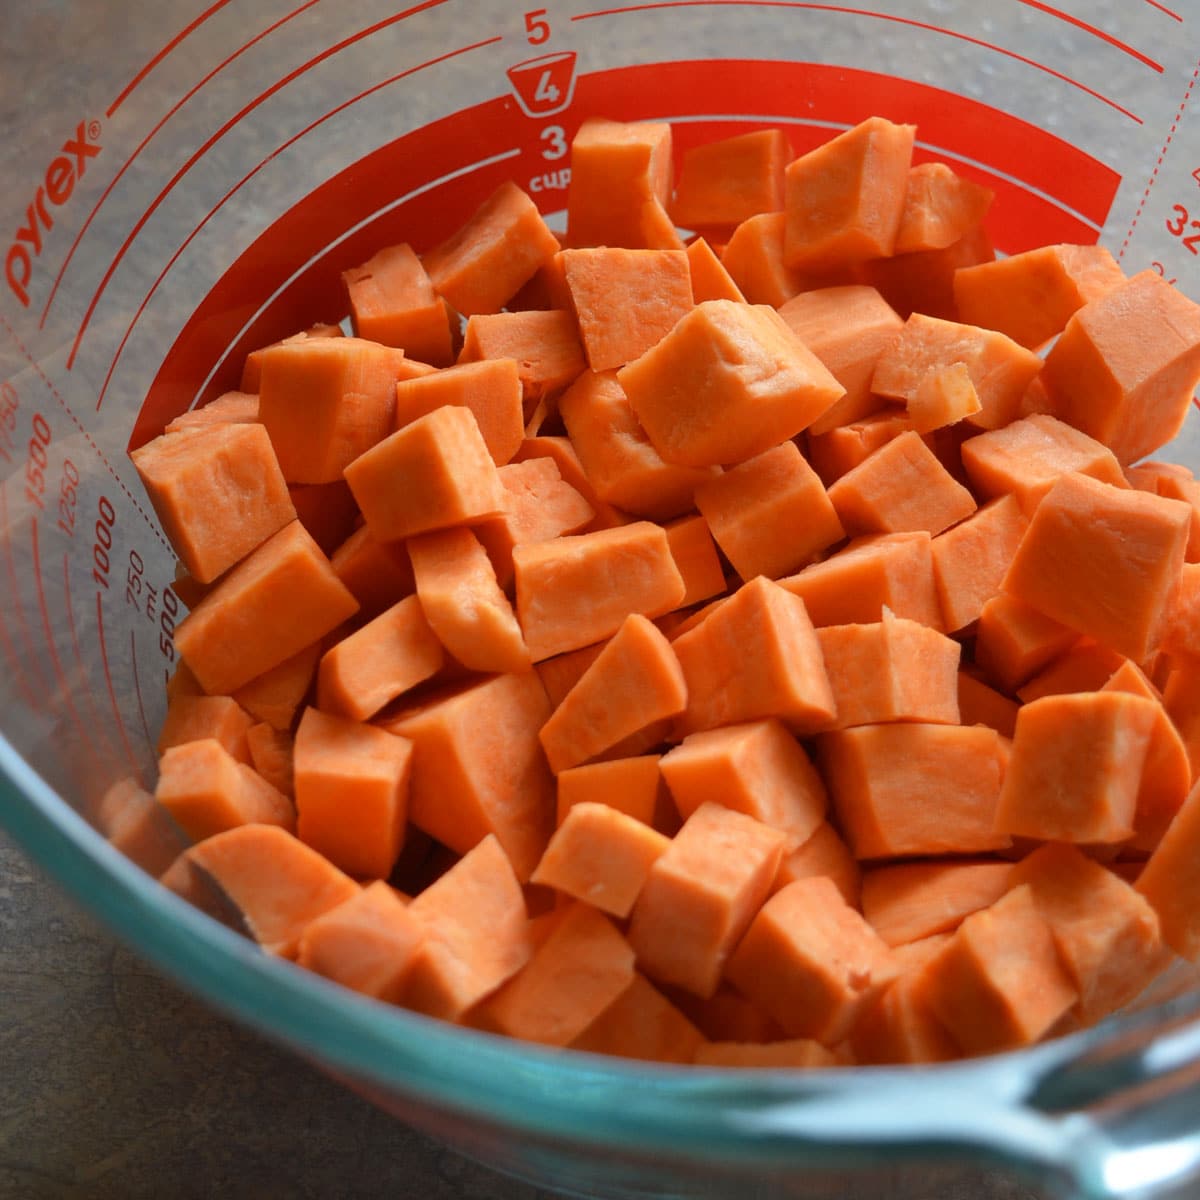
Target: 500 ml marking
(36,465)
(64,171)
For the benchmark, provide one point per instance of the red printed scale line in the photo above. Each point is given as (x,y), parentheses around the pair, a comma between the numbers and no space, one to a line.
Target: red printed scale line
(31,654)
(209,142)
(12,333)
(17,675)
(1162,8)
(1161,155)
(145,141)
(93,712)
(861,12)
(137,688)
(250,175)
(133,83)
(112,691)
(55,661)
(1124,47)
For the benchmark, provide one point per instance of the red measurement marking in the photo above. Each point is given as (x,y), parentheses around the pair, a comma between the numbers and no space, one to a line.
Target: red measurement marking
(112,693)
(51,650)
(236,119)
(1162,154)
(142,145)
(250,175)
(860,12)
(17,673)
(93,712)
(137,687)
(208,12)
(31,654)
(33,362)
(1164,9)
(1104,37)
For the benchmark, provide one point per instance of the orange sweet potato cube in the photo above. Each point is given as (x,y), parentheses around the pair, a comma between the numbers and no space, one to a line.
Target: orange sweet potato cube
(393,302)
(326,400)
(625,300)
(900,488)
(434,473)
(616,455)
(1126,365)
(769,514)
(874,771)
(729,381)
(844,200)
(847,328)
(368,943)
(574,591)
(491,389)
(351,783)
(482,265)
(1031,296)
(891,670)
(701,895)
(234,635)
(998,984)
(1103,560)
(620,184)
(601,856)
(207,791)
(757,768)
(1076,767)
(811,961)
(723,182)
(755,656)
(1000,369)
(218,492)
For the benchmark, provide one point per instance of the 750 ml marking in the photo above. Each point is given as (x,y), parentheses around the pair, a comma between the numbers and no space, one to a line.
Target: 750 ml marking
(141,595)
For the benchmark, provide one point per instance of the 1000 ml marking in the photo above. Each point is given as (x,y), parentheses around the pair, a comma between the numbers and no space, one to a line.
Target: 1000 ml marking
(64,171)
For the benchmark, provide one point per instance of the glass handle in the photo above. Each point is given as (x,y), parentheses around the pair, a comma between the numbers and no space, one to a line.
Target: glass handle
(1129,1113)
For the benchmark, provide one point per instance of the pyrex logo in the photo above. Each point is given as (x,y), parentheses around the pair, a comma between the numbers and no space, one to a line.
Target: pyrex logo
(65,169)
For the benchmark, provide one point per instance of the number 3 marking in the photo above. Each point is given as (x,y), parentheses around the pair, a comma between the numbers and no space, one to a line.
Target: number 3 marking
(556,135)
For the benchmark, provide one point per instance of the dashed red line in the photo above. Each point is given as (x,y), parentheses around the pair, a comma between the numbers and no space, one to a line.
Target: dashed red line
(1162,154)
(247,177)
(112,692)
(242,113)
(51,649)
(1058,14)
(33,362)
(137,688)
(112,108)
(861,12)
(142,145)
(31,652)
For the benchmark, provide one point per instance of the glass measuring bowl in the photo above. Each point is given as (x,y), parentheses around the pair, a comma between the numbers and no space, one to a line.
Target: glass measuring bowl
(187,189)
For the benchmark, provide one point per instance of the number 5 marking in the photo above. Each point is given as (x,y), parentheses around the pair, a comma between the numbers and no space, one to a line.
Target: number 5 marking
(537,28)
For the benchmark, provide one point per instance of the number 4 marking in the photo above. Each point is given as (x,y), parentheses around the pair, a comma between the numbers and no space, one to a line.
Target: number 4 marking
(545,90)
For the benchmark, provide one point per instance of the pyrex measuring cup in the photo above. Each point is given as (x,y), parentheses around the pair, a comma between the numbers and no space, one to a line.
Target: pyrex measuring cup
(183,190)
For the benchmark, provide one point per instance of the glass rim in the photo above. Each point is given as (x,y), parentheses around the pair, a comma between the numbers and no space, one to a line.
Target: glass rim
(983,1108)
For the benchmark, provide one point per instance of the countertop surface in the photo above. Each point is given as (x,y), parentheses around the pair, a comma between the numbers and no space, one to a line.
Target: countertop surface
(115,1084)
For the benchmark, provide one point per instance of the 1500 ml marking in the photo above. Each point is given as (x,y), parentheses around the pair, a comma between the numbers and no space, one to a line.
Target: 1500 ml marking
(64,171)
